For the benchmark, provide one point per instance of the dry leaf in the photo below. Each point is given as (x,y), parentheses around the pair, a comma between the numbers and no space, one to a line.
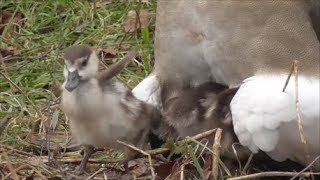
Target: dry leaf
(5,17)
(107,53)
(10,51)
(133,23)
(163,170)
(175,172)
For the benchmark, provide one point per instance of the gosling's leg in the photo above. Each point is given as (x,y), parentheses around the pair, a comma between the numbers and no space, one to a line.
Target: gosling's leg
(131,154)
(88,151)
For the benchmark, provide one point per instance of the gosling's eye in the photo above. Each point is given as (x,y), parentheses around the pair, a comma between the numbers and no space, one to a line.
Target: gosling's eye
(84,63)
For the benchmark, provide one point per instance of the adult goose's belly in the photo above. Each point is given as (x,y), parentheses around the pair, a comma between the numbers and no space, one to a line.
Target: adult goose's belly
(229,41)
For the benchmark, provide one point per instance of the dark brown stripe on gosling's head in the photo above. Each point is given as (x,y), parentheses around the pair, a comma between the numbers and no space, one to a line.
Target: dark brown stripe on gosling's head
(75,52)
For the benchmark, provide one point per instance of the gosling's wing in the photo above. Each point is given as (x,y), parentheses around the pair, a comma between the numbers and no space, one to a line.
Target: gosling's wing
(115,69)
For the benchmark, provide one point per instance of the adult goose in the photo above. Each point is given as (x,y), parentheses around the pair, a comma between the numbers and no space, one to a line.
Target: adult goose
(251,44)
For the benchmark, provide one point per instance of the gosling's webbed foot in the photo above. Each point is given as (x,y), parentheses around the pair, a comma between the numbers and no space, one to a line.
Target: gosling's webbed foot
(88,151)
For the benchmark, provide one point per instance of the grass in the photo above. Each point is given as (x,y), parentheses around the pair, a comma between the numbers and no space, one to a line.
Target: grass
(43,31)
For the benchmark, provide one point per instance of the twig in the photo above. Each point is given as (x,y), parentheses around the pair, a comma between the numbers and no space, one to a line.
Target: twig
(288,78)
(202,135)
(182,172)
(187,139)
(95,173)
(301,131)
(158,151)
(294,69)
(142,178)
(142,152)
(216,150)
(77,160)
(272,174)
(10,57)
(306,168)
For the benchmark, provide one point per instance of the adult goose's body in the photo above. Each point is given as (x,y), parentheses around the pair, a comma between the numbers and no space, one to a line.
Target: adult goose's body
(252,44)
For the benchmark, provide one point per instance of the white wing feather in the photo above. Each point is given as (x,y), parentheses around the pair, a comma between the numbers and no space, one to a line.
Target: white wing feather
(264,117)
(148,91)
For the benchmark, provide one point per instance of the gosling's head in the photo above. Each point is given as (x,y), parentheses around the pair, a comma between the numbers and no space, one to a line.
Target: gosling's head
(81,63)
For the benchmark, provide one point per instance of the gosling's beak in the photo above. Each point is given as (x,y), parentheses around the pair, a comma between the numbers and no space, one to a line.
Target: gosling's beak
(72,81)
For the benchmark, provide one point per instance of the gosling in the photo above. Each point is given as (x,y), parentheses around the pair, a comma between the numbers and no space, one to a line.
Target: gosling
(197,109)
(100,109)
